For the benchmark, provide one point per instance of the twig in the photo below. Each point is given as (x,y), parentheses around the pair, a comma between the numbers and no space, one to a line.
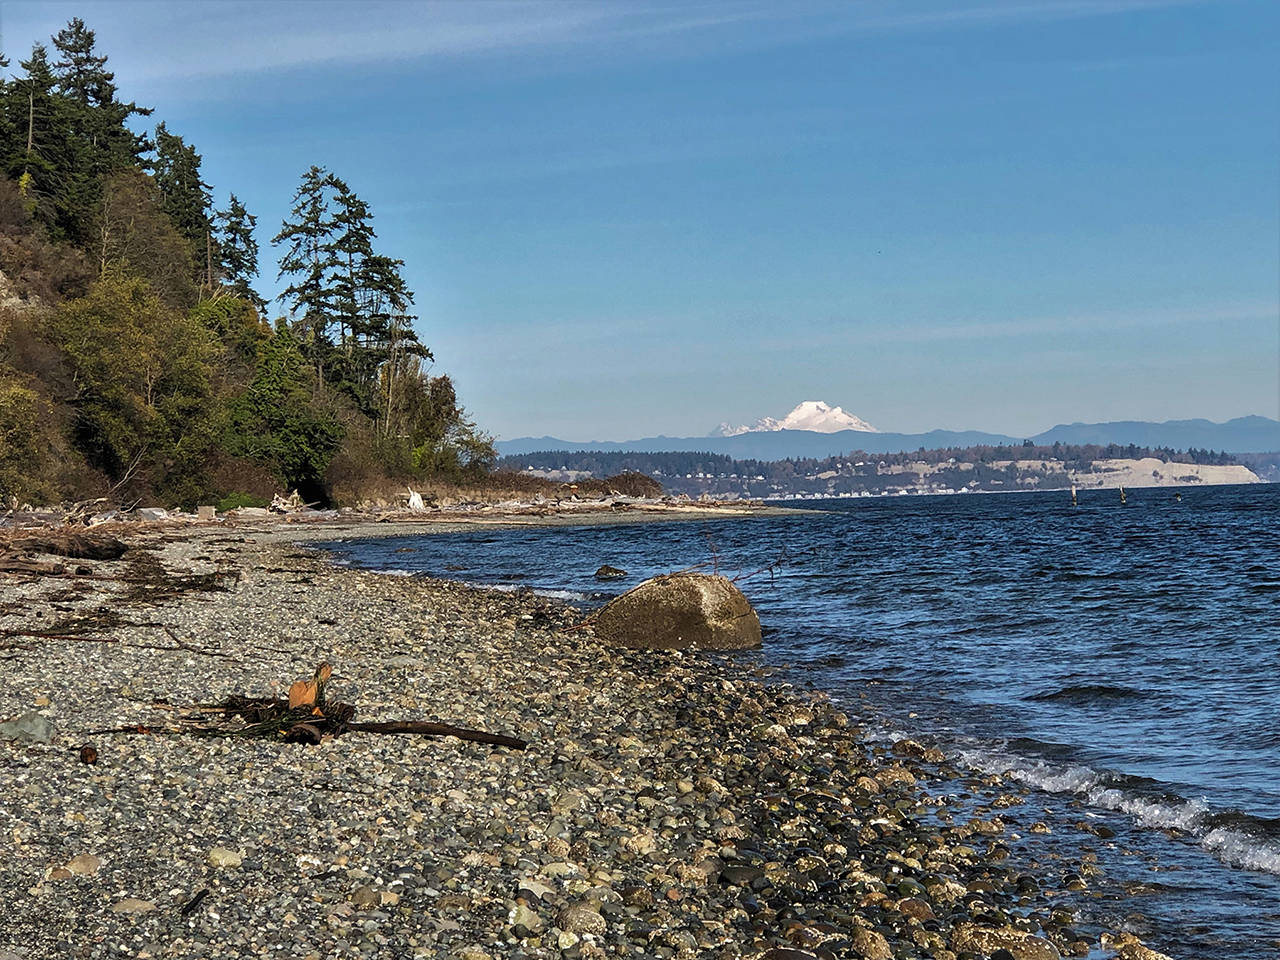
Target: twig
(711,543)
(772,568)
(197,898)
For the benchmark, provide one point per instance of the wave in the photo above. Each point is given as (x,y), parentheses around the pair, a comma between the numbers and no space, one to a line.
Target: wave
(1236,838)
(1086,693)
(576,596)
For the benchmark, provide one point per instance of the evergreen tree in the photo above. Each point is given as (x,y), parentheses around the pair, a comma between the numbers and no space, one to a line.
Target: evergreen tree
(185,196)
(237,250)
(97,123)
(40,157)
(350,248)
(311,298)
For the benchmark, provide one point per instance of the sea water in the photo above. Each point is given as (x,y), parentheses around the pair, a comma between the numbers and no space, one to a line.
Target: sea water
(1121,659)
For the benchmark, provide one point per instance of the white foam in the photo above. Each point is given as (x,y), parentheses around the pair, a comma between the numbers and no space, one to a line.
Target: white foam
(1193,817)
(549,594)
(1242,849)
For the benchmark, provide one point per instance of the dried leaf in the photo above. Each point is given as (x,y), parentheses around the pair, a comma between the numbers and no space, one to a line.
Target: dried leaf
(324,672)
(303,694)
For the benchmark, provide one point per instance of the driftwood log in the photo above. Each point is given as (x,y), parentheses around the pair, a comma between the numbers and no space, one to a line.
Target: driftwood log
(307,716)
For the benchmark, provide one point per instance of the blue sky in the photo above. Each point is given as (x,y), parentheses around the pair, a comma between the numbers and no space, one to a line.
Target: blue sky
(625,219)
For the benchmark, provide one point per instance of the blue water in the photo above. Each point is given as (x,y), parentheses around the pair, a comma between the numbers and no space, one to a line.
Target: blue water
(1125,657)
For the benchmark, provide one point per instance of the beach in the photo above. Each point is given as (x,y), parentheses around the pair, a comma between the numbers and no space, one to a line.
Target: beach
(668,805)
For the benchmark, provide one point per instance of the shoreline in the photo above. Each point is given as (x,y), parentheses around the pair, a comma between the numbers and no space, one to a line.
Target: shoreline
(670,805)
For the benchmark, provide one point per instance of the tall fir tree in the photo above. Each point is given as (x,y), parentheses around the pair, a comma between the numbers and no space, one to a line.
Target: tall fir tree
(40,156)
(237,250)
(186,198)
(308,259)
(350,246)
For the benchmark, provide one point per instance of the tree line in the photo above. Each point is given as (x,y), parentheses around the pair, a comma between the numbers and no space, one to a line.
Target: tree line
(1078,458)
(136,353)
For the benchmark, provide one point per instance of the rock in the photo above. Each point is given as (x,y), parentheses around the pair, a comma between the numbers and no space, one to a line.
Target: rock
(133,905)
(364,898)
(152,513)
(30,727)
(522,916)
(581,918)
(84,865)
(224,859)
(987,940)
(680,610)
(870,945)
(1129,947)
(607,572)
(915,908)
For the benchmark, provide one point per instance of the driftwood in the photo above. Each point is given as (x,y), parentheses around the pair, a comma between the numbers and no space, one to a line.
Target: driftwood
(76,546)
(14,563)
(307,716)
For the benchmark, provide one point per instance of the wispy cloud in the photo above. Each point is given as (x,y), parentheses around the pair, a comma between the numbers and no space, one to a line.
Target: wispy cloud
(186,41)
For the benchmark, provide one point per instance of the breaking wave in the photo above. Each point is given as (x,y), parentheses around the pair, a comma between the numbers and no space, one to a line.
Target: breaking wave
(1236,838)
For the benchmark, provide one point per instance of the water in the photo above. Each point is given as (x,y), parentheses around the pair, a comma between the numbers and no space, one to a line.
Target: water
(1121,656)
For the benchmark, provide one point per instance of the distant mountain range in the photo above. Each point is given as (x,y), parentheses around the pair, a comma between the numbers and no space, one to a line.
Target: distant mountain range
(1252,434)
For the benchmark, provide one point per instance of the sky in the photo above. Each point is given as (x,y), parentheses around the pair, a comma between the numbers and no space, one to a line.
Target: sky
(629,219)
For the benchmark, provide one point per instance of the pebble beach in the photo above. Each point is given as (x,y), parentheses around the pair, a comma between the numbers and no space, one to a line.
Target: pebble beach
(669,804)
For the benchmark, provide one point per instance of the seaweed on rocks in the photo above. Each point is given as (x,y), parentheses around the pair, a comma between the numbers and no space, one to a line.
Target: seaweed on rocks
(150,581)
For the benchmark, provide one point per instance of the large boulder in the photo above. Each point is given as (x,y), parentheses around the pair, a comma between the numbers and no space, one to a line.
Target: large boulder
(678,611)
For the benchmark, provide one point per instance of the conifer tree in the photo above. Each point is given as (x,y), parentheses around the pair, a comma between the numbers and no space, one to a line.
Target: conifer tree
(186,198)
(237,250)
(309,260)
(350,248)
(38,157)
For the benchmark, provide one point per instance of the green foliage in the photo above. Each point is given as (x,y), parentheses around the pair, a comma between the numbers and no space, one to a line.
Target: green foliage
(277,423)
(22,444)
(235,324)
(138,336)
(234,501)
(237,250)
(134,235)
(141,371)
(184,195)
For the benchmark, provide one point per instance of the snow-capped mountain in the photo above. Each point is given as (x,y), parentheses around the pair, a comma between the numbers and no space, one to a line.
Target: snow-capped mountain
(812,415)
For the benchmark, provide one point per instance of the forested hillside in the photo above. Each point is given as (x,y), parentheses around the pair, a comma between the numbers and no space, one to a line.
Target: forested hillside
(137,357)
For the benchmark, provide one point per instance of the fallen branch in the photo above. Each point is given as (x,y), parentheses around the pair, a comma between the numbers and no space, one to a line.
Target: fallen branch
(430,729)
(306,717)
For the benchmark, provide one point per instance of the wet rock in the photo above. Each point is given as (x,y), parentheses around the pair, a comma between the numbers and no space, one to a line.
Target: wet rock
(1129,947)
(987,940)
(870,945)
(679,611)
(607,572)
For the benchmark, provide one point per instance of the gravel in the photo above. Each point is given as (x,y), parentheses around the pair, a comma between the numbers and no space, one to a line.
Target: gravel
(670,804)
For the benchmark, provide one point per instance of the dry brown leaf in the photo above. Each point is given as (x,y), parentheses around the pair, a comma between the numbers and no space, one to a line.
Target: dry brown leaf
(302,694)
